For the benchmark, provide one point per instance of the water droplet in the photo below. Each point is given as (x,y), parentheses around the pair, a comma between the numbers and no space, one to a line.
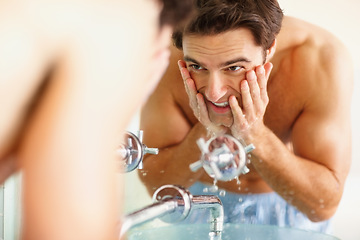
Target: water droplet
(144,173)
(205,190)
(214,188)
(238,182)
(222,193)
(321,201)
(240,199)
(313,212)
(322,206)
(162,171)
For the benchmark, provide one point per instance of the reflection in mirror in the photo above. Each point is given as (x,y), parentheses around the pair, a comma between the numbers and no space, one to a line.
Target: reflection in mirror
(223,158)
(273,94)
(131,151)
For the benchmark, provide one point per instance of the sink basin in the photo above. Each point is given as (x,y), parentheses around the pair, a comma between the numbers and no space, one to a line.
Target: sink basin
(231,232)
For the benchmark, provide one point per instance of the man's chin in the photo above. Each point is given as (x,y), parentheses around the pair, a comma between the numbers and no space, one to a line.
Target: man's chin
(226,121)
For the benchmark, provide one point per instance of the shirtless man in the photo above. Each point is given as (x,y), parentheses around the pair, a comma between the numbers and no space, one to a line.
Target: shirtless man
(69,85)
(286,92)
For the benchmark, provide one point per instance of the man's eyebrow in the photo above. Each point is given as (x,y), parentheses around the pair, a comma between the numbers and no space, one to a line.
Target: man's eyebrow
(227,63)
(236,60)
(190,59)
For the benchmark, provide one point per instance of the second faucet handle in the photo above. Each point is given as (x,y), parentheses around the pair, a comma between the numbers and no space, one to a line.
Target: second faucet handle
(132,151)
(222,157)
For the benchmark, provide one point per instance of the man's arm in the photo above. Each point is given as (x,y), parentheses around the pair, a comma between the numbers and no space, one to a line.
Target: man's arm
(312,178)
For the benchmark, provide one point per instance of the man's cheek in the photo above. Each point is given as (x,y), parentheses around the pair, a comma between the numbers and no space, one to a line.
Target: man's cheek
(200,83)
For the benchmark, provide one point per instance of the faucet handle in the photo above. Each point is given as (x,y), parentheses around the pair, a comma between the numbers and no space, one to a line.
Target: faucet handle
(202,145)
(183,197)
(249,148)
(133,150)
(196,165)
(222,157)
(154,151)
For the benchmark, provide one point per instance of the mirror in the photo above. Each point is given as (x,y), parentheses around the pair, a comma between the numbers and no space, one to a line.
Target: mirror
(308,11)
(346,219)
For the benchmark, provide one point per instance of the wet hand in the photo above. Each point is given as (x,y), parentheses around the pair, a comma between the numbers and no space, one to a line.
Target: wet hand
(197,102)
(254,99)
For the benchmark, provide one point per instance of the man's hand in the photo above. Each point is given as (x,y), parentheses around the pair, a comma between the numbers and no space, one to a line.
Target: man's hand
(255,99)
(197,103)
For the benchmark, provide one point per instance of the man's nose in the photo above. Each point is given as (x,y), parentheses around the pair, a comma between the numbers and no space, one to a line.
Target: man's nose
(216,88)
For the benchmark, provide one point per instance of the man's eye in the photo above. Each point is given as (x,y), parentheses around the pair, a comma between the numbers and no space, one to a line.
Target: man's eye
(196,67)
(234,68)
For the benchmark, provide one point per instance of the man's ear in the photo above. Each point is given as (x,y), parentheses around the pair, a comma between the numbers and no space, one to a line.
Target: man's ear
(271,51)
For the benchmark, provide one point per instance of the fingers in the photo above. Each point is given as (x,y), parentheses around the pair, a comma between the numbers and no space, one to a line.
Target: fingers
(188,82)
(246,98)
(183,70)
(254,97)
(264,77)
(254,90)
(268,67)
(239,117)
(190,87)
(211,128)
(203,114)
(250,92)
(236,110)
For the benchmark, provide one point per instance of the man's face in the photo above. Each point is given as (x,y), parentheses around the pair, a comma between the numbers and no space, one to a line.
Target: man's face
(217,64)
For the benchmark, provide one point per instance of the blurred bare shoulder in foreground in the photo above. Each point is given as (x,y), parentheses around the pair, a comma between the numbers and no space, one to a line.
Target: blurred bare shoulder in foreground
(72,73)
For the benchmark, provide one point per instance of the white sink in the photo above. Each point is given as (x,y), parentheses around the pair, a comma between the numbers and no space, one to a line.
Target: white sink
(231,232)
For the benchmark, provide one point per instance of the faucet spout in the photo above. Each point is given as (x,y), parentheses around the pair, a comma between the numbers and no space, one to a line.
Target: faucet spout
(148,213)
(213,203)
(173,204)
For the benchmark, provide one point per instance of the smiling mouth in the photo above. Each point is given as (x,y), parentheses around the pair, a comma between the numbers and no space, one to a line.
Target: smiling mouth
(223,104)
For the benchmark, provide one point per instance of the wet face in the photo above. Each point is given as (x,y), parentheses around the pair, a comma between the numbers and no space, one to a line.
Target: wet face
(218,64)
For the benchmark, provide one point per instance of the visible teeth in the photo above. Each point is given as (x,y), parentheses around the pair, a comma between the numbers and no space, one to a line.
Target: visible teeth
(223,104)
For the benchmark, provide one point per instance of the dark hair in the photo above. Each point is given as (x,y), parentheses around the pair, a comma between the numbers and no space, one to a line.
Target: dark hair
(262,17)
(175,12)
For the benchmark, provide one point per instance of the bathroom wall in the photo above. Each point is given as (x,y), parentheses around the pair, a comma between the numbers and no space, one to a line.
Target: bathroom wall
(341,18)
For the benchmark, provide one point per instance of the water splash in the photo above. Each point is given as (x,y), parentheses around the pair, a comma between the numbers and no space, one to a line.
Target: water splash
(238,182)
(222,193)
(214,187)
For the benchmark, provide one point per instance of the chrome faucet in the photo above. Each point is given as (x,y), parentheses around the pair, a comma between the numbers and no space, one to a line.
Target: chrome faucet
(132,151)
(173,204)
(223,157)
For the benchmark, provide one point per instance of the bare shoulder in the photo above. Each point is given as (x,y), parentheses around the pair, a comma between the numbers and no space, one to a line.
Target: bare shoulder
(86,41)
(315,48)
(316,57)
(327,63)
